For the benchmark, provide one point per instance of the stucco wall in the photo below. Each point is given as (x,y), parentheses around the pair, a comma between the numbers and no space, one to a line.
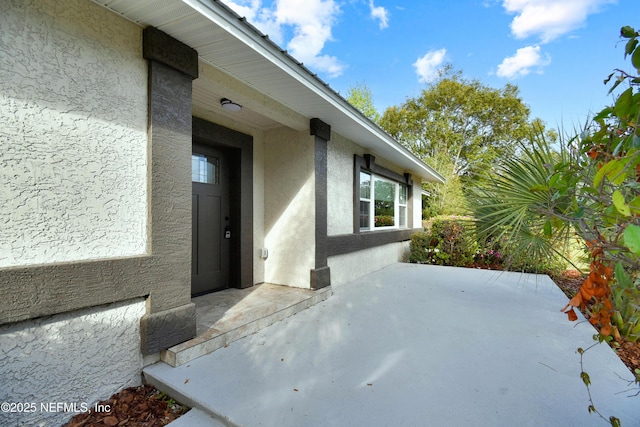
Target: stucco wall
(96,208)
(416,221)
(73,93)
(348,267)
(78,357)
(340,153)
(289,200)
(258,207)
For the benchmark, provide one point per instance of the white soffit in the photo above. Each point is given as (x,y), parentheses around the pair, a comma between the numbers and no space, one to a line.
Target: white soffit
(228,42)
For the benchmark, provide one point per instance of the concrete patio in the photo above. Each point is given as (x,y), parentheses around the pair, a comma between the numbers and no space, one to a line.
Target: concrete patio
(412,345)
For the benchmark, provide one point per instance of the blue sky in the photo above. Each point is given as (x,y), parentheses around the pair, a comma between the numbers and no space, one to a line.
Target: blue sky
(557,52)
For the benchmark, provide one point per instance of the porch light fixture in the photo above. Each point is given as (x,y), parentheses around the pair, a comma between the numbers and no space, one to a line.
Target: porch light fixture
(229,105)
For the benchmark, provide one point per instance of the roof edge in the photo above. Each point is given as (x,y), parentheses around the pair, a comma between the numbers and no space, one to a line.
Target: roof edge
(224,16)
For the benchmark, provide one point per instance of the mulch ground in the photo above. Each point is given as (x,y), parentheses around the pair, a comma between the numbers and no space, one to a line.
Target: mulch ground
(145,406)
(142,406)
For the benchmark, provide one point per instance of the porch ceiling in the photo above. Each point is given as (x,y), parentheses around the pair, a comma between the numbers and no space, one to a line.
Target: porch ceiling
(227,42)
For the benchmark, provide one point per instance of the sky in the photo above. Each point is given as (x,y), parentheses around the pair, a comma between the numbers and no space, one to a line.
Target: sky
(558,52)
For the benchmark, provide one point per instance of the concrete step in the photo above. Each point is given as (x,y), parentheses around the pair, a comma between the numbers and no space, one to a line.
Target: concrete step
(226,316)
(197,418)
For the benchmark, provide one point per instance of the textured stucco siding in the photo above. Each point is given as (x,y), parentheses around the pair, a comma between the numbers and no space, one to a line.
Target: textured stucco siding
(258,206)
(348,267)
(340,165)
(77,357)
(289,207)
(73,163)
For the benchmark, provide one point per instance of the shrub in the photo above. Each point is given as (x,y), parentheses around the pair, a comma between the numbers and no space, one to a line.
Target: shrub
(449,241)
(419,251)
(383,220)
(489,257)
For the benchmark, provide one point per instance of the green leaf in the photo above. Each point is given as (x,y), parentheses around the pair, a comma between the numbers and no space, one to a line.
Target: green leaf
(631,237)
(599,176)
(615,422)
(603,114)
(539,187)
(627,32)
(634,205)
(616,150)
(616,84)
(604,170)
(608,78)
(630,47)
(625,100)
(613,170)
(620,204)
(622,277)
(585,378)
(635,59)
(547,229)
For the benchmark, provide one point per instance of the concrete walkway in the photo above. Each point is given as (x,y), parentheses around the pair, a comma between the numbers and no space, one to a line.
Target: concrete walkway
(414,345)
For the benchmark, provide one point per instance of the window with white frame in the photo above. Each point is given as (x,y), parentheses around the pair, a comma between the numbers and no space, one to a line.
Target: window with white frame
(403,195)
(383,203)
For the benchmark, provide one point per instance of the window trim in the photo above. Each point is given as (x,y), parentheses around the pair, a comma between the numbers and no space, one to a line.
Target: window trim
(366,164)
(404,205)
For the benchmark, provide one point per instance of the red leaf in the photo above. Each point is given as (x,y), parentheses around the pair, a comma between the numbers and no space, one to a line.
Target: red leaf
(572,315)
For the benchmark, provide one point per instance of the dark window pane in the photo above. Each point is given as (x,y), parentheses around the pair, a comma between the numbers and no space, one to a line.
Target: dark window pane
(364,215)
(365,186)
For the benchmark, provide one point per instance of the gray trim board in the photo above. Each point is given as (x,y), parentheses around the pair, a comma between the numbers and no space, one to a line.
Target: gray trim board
(320,276)
(160,47)
(347,243)
(320,129)
(368,162)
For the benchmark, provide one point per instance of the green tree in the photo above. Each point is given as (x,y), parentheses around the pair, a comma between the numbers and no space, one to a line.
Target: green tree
(471,123)
(448,198)
(361,97)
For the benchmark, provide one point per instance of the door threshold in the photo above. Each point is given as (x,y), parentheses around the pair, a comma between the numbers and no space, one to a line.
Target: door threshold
(226,316)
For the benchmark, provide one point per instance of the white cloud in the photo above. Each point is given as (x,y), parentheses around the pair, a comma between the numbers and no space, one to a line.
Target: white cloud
(428,66)
(523,62)
(380,13)
(262,18)
(311,25)
(549,19)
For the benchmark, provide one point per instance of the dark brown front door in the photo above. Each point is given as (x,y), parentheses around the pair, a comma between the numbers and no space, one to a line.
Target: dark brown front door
(211,235)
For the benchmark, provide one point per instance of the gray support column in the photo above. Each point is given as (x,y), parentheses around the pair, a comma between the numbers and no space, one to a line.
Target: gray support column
(172,67)
(321,275)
